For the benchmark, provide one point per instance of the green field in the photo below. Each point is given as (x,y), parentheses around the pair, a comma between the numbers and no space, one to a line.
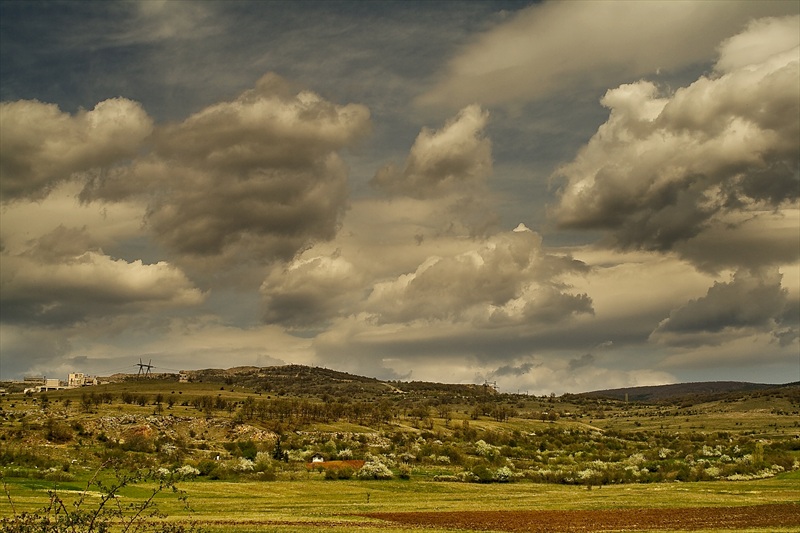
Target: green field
(241,452)
(312,504)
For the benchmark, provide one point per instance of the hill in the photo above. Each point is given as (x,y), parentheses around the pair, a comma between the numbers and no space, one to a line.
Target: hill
(706,390)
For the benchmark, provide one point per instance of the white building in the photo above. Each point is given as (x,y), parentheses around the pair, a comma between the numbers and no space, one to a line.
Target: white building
(79,379)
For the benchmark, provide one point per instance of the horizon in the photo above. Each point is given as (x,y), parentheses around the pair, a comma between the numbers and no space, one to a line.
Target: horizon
(458,192)
(496,386)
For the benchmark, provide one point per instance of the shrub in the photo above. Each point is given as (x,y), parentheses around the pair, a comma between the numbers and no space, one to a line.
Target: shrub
(503,475)
(344,472)
(57,431)
(482,474)
(374,470)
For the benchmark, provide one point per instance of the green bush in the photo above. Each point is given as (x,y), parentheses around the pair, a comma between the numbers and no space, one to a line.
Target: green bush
(57,431)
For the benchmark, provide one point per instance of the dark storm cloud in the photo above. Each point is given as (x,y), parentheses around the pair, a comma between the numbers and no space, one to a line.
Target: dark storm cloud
(257,178)
(752,301)
(663,169)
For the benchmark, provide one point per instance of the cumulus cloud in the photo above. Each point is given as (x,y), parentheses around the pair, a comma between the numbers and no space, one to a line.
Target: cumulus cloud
(311,291)
(449,166)
(556,46)
(751,302)
(664,167)
(64,278)
(444,161)
(41,146)
(256,178)
(508,280)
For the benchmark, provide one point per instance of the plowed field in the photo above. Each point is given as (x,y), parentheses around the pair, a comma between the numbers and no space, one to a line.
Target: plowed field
(778,515)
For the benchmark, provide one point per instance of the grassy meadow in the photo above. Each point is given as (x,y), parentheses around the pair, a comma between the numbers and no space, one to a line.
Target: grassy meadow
(240,450)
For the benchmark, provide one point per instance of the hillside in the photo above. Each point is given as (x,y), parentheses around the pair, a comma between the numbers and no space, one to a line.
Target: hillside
(261,424)
(707,390)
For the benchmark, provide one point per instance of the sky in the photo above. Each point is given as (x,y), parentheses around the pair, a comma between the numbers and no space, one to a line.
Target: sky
(556,197)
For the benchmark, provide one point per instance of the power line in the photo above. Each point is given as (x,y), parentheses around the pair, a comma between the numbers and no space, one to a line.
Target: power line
(142,366)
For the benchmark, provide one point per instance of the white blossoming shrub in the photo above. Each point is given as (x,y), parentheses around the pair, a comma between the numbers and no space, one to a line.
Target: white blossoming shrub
(345,454)
(300,456)
(243,465)
(503,475)
(187,471)
(484,449)
(635,459)
(374,470)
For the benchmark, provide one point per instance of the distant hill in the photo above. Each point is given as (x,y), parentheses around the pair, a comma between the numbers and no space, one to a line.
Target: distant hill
(324,382)
(658,393)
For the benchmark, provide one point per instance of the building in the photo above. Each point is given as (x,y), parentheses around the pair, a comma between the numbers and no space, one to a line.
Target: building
(51,384)
(79,379)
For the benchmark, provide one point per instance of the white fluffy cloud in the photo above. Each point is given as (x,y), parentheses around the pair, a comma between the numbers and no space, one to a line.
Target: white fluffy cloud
(41,146)
(662,168)
(63,278)
(508,280)
(555,46)
(442,162)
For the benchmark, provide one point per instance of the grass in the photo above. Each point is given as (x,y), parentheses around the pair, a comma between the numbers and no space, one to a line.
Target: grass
(302,501)
(312,504)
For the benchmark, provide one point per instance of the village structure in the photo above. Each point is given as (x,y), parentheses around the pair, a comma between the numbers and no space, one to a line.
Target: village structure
(44,384)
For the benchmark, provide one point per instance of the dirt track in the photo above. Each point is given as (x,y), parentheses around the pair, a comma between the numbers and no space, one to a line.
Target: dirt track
(778,515)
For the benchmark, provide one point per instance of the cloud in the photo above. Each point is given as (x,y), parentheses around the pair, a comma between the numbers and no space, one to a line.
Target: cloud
(310,292)
(443,162)
(663,169)
(64,278)
(584,360)
(560,46)
(751,302)
(449,166)
(41,146)
(508,280)
(512,370)
(253,179)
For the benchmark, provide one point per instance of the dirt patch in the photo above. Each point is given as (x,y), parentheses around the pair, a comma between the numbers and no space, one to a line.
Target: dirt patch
(777,515)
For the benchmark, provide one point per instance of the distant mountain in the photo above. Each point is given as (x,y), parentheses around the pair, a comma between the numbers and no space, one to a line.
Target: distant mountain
(657,393)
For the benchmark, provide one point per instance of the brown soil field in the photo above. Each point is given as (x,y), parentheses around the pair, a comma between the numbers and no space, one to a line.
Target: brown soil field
(689,518)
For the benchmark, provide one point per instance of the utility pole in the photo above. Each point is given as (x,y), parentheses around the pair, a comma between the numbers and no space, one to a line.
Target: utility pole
(142,367)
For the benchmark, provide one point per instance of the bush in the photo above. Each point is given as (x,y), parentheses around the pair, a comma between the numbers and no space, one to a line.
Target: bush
(374,470)
(57,431)
(483,474)
(344,472)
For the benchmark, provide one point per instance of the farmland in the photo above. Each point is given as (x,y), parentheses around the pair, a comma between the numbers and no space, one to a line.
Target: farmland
(239,445)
